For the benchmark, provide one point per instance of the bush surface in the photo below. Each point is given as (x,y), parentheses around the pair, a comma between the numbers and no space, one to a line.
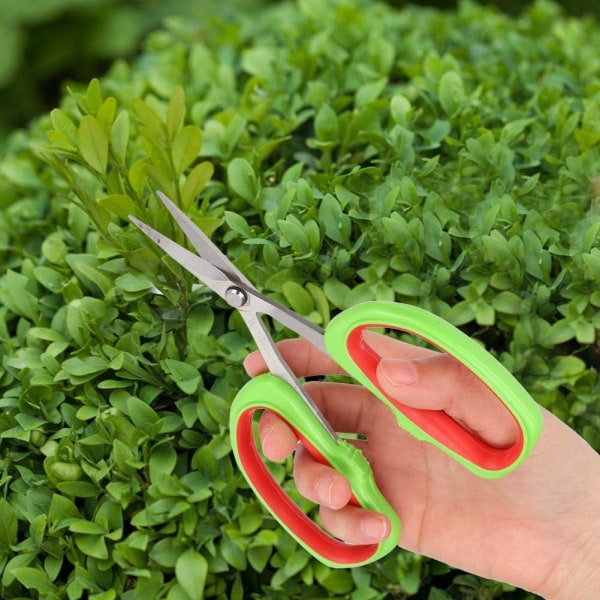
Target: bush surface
(338,151)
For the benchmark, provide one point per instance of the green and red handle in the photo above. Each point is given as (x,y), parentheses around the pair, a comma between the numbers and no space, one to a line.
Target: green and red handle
(345,343)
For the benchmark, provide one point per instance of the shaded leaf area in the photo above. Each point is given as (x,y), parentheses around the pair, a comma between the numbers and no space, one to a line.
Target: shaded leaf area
(338,152)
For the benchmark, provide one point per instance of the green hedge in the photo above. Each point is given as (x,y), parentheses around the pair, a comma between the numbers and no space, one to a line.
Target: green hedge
(339,151)
(45,42)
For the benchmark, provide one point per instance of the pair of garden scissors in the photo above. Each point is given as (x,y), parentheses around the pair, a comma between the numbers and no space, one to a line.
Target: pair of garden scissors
(281,392)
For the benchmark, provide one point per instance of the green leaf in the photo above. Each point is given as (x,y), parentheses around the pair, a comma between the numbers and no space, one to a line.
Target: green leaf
(238,224)
(327,124)
(54,248)
(51,279)
(298,298)
(119,135)
(92,545)
(92,141)
(258,557)
(86,527)
(34,579)
(509,303)
(175,112)
(217,407)
(149,118)
(107,111)
(294,234)
(94,96)
(259,61)
(191,570)
(336,225)
(62,511)
(408,284)
(138,174)
(568,366)
(337,581)
(19,171)
(242,179)
(166,552)
(141,414)
(336,292)
(15,295)
(195,182)
(184,375)
(85,266)
(232,553)
(162,461)
(63,123)
(8,525)
(368,92)
(461,313)
(320,300)
(186,148)
(200,322)
(451,92)
(17,561)
(237,590)
(133,282)
(119,205)
(400,108)
(88,366)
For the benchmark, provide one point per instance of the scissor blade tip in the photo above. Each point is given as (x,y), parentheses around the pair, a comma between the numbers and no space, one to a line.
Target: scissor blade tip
(164,198)
(146,229)
(137,222)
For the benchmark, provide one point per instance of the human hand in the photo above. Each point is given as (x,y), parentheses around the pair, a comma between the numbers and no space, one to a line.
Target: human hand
(534,528)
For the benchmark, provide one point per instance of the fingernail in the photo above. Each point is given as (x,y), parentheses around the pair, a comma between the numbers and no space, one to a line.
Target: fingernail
(325,489)
(375,528)
(267,431)
(398,372)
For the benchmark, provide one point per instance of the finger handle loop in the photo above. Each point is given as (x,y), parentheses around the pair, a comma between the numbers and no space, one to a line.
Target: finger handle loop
(345,342)
(269,392)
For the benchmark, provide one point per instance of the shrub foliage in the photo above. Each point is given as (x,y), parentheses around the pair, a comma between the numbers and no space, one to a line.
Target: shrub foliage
(338,151)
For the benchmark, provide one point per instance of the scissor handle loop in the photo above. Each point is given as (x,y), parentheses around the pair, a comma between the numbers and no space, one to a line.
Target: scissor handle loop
(269,392)
(345,342)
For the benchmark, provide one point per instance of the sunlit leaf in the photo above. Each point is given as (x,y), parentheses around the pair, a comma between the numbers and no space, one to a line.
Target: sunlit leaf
(93,143)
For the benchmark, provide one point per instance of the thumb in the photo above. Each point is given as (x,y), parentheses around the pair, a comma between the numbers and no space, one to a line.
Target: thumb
(441,382)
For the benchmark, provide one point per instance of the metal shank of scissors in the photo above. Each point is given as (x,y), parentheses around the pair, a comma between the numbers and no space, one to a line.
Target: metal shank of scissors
(218,273)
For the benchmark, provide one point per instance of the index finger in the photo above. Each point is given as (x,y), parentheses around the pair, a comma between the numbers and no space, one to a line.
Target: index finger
(306,360)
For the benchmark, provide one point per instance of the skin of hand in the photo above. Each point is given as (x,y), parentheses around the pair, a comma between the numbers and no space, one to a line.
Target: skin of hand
(536,528)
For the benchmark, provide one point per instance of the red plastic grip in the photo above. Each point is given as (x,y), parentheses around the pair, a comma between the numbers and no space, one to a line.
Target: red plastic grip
(284,507)
(435,423)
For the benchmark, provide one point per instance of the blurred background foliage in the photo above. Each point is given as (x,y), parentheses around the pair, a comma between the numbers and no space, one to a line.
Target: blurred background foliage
(46,43)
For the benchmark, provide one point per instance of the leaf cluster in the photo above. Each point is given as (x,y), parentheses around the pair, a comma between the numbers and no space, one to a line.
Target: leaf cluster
(338,152)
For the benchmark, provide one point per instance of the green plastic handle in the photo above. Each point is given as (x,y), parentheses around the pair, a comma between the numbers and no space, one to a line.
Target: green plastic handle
(345,343)
(269,392)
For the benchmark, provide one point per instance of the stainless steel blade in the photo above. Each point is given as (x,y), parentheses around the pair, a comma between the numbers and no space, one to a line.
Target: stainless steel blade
(203,270)
(202,243)
(251,304)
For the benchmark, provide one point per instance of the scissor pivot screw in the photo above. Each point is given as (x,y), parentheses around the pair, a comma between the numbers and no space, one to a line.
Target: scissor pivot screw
(236,297)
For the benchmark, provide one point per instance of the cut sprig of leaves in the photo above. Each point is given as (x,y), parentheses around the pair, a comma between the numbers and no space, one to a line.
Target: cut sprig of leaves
(338,151)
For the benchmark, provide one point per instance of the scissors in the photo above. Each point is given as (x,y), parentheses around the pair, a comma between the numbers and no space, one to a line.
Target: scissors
(281,392)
